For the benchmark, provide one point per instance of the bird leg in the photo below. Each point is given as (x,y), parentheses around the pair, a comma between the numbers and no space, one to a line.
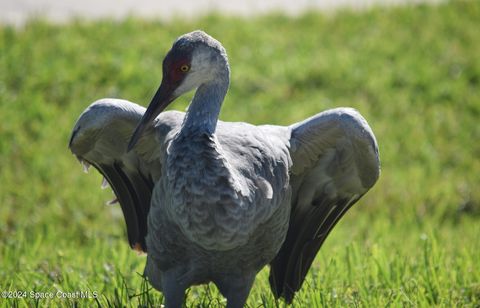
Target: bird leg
(236,288)
(173,289)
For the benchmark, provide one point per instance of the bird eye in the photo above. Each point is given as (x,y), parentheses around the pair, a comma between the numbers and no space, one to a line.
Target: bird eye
(184,68)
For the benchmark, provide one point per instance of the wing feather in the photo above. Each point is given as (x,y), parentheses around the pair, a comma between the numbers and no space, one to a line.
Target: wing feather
(100,137)
(334,162)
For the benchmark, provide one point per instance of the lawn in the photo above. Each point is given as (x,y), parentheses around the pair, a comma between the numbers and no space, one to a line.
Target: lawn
(413,72)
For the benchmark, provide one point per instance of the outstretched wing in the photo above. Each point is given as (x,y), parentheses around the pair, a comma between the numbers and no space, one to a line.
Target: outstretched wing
(100,139)
(335,162)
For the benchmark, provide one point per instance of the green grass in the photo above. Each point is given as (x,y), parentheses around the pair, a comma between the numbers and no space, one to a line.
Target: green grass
(413,72)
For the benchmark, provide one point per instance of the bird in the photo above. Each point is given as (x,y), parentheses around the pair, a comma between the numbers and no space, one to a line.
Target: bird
(213,201)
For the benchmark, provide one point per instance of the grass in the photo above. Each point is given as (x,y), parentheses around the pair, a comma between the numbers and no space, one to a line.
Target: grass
(413,72)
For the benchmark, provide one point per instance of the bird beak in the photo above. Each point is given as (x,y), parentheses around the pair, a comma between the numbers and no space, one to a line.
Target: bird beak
(160,101)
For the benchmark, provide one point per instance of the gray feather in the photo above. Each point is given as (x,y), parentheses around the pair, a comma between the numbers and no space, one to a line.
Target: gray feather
(335,161)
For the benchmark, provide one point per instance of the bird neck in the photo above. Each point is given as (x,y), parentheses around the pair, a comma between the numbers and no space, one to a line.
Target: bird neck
(202,114)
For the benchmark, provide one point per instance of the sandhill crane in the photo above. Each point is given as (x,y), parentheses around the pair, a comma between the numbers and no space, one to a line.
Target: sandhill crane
(214,201)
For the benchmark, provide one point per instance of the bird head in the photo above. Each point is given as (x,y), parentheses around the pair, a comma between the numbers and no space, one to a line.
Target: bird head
(195,58)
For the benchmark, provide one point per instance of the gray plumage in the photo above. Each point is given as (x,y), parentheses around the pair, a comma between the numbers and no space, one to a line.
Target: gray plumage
(217,201)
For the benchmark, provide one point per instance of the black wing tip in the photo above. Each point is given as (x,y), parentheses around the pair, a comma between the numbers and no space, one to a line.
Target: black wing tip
(139,246)
(127,194)
(280,288)
(292,263)
(288,296)
(286,293)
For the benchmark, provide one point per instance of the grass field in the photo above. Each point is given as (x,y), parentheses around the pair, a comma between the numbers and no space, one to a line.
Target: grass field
(413,72)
